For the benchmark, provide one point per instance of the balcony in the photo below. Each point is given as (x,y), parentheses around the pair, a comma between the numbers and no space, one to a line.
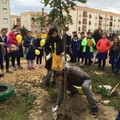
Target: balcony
(84,14)
(111,18)
(111,24)
(84,23)
(84,28)
(100,18)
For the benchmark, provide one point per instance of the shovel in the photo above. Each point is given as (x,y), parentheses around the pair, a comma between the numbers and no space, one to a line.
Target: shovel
(114,89)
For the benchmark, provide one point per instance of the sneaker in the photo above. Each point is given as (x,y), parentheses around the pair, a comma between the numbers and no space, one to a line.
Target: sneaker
(29,68)
(14,68)
(113,74)
(1,75)
(96,63)
(32,68)
(8,71)
(39,66)
(20,67)
(94,111)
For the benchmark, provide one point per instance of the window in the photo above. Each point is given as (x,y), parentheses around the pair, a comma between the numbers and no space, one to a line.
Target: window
(79,29)
(84,21)
(84,29)
(32,18)
(84,14)
(110,23)
(89,22)
(4,10)
(90,16)
(4,1)
(5,20)
(100,17)
(95,24)
(79,22)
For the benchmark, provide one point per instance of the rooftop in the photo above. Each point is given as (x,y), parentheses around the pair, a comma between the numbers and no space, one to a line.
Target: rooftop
(96,10)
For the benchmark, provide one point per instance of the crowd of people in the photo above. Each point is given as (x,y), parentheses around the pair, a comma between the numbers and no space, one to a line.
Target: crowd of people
(95,48)
(83,49)
(12,51)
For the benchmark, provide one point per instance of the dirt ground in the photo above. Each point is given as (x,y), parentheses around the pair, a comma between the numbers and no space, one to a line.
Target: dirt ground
(77,107)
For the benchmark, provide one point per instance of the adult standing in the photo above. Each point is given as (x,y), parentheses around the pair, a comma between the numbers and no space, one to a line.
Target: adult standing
(97,35)
(53,45)
(3,51)
(12,40)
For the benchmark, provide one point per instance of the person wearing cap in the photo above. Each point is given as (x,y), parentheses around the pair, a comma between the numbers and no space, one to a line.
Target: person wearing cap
(76,77)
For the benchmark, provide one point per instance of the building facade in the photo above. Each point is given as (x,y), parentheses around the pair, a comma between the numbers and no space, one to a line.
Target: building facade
(15,20)
(88,19)
(5,21)
(28,20)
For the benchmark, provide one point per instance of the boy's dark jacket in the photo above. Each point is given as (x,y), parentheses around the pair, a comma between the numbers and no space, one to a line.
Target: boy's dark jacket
(5,41)
(27,42)
(49,48)
(76,76)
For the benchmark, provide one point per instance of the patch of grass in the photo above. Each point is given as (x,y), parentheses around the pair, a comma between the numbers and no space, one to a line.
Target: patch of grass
(16,107)
(105,78)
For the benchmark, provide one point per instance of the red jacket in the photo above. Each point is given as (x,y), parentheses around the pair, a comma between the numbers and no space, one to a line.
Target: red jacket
(12,38)
(103,45)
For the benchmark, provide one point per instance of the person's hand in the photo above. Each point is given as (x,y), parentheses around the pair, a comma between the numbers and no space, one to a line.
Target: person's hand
(40,48)
(54,109)
(65,64)
(18,44)
(31,44)
(55,115)
(48,56)
(3,44)
(54,112)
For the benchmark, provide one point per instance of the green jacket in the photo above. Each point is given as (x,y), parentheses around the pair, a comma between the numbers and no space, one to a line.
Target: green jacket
(84,44)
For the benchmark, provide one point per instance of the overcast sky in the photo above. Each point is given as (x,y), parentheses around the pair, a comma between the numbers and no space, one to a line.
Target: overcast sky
(19,6)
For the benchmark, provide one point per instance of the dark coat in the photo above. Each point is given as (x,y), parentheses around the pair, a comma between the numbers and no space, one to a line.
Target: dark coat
(49,48)
(5,47)
(96,36)
(27,45)
(39,47)
(75,76)
(75,47)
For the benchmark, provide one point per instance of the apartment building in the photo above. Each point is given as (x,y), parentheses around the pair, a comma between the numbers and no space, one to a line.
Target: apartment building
(5,21)
(88,19)
(15,20)
(28,19)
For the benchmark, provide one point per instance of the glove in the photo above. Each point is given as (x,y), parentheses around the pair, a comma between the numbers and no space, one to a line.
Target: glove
(67,56)
(65,65)
(55,115)
(48,56)
(54,109)
(54,112)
